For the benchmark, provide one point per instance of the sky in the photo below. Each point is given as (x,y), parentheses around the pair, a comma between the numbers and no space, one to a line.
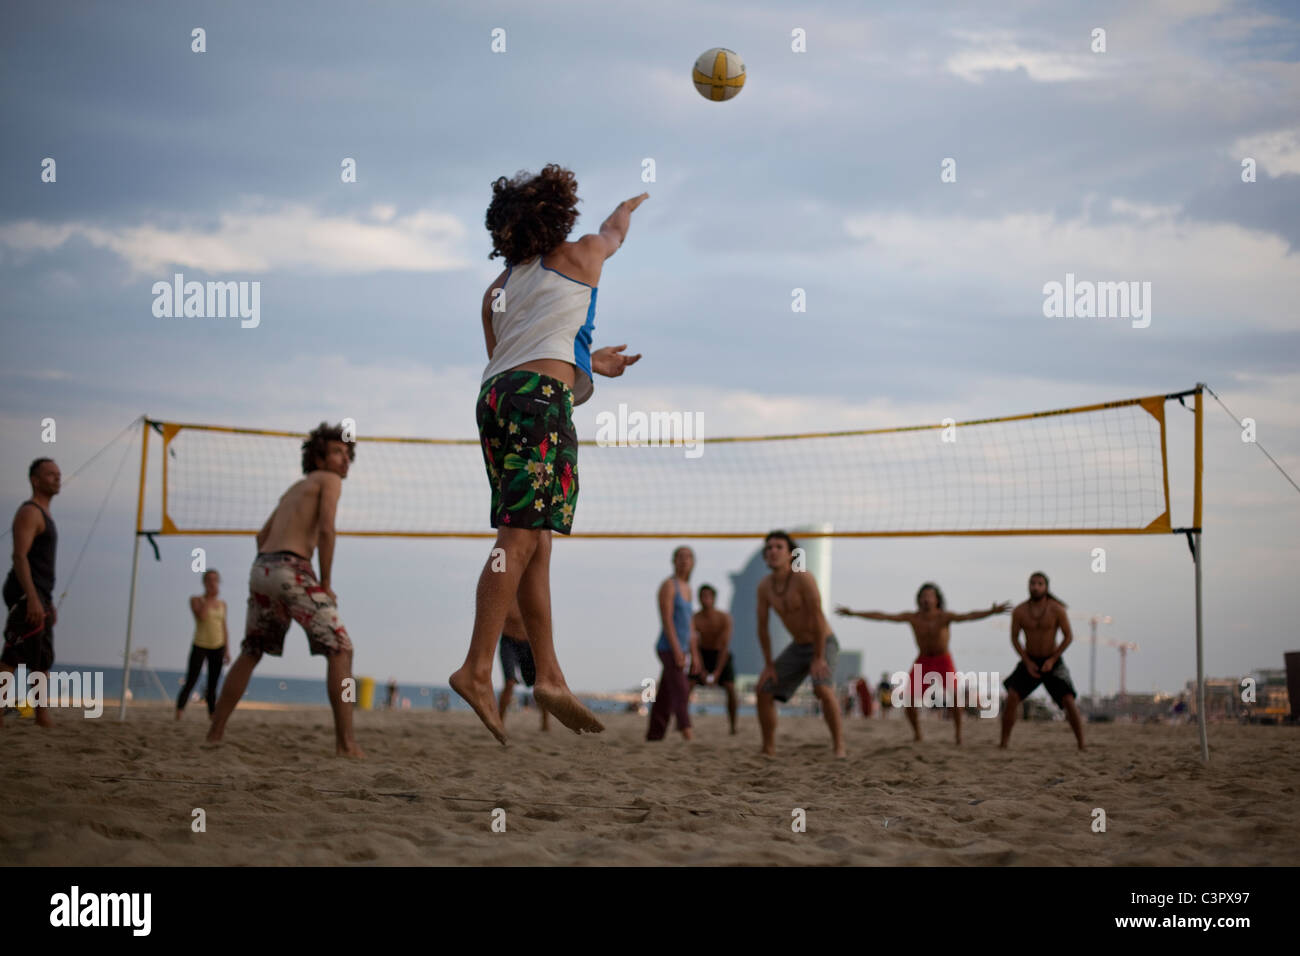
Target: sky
(924,297)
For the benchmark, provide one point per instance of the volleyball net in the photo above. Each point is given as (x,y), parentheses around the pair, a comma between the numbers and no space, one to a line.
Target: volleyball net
(1095,469)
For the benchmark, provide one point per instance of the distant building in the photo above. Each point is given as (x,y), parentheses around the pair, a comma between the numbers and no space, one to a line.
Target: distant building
(744,607)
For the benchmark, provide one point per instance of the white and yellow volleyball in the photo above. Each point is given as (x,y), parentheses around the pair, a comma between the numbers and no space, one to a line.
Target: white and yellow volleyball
(719,74)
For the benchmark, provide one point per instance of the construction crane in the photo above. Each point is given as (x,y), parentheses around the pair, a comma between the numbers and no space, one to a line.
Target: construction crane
(1092,663)
(1124,647)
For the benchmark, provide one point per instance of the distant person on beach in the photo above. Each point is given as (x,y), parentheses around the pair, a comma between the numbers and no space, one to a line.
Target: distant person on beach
(885,694)
(211,642)
(676,641)
(29,587)
(517,663)
(794,595)
(282,587)
(393,691)
(712,667)
(1040,659)
(930,628)
(538,319)
(864,696)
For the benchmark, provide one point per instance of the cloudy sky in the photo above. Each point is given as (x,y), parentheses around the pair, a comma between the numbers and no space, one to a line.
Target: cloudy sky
(924,298)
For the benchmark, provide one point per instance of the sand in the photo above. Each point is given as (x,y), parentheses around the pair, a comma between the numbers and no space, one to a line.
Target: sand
(95,792)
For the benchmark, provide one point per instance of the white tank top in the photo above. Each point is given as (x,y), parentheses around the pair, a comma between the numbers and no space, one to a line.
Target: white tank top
(547,316)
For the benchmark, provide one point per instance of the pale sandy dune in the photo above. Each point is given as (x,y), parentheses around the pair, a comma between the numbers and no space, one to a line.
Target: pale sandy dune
(97,792)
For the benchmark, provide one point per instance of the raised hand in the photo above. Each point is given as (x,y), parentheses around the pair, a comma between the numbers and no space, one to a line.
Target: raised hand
(610,362)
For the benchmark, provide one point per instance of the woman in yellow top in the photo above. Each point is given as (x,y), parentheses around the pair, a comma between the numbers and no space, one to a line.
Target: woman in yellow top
(211,641)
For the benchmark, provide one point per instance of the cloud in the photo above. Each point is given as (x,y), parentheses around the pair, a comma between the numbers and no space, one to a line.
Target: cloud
(261,238)
(1277,152)
(1208,270)
(1000,51)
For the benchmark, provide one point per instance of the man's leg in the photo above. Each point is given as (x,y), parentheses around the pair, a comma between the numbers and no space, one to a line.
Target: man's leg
(6,669)
(42,713)
(913,718)
(831,711)
(337,670)
(1009,709)
(732,705)
(1072,715)
(550,689)
(767,722)
(496,589)
(956,721)
(236,683)
(507,692)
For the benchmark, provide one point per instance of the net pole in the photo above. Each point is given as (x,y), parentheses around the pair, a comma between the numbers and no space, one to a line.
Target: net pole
(1196,557)
(135,566)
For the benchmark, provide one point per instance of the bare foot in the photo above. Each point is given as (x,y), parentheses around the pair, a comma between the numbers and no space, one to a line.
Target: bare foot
(567,709)
(768,751)
(43,718)
(178,714)
(841,753)
(480,697)
(687,735)
(348,749)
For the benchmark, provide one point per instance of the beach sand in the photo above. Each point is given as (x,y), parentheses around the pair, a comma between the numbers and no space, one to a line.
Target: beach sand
(95,792)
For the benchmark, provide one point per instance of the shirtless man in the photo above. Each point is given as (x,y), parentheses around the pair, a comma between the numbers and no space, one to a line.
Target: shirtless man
(1040,658)
(711,651)
(538,318)
(930,628)
(283,588)
(517,663)
(795,597)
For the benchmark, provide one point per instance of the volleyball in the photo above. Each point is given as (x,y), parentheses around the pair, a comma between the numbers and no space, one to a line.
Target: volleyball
(719,74)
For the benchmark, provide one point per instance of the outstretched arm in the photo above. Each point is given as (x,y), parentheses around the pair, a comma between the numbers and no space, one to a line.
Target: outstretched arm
(980,615)
(873,615)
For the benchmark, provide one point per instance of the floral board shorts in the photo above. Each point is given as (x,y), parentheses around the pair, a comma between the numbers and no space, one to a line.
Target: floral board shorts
(530,448)
(282,588)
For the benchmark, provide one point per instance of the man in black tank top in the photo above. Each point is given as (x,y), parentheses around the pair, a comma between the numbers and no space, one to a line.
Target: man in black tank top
(29,588)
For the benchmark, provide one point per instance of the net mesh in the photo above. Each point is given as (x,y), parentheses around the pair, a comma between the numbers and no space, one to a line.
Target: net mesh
(1097,469)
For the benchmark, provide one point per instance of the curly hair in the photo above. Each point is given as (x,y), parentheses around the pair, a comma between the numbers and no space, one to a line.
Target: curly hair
(316,445)
(930,586)
(531,215)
